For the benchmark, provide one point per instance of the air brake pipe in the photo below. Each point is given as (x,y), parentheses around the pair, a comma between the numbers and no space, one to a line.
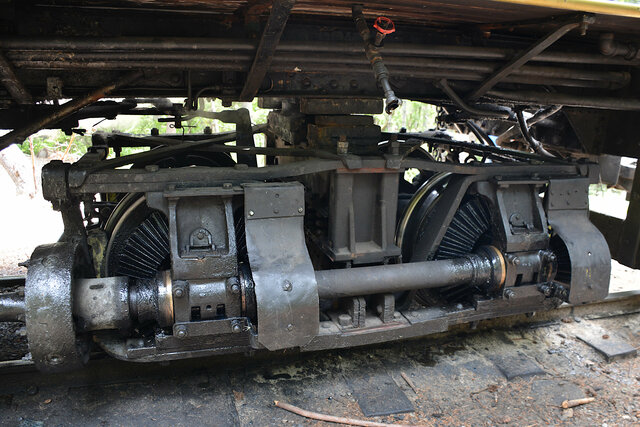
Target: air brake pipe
(373,54)
(484,269)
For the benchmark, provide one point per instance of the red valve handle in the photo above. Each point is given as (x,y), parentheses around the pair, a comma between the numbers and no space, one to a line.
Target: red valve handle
(384,25)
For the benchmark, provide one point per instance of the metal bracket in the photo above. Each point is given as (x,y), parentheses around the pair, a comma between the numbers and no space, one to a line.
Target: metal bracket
(280,11)
(523,57)
(285,284)
(588,250)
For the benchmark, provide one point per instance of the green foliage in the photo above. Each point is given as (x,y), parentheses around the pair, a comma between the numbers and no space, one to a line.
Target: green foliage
(414,116)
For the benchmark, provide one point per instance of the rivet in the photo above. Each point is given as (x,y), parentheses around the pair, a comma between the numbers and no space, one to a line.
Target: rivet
(300,209)
(251,213)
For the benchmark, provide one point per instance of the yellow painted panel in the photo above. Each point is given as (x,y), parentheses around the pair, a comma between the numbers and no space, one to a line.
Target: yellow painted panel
(631,10)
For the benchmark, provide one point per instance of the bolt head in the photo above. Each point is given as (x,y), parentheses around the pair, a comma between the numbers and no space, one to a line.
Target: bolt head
(235,288)
(300,209)
(251,213)
(345,320)
(287,286)
(181,332)
(289,327)
(236,328)
(178,292)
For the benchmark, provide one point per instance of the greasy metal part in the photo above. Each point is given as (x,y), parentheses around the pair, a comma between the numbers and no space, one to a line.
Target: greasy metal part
(18,135)
(51,330)
(163,152)
(201,232)
(523,57)
(12,307)
(151,301)
(485,269)
(444,85)
(533,143)
(482,137)
(273,29)
(590,259)
(285,284)
(165,299)
(244,132)
(12,83)
(536,118)
(126,181)
(375,58)
(362,216)
(102,303)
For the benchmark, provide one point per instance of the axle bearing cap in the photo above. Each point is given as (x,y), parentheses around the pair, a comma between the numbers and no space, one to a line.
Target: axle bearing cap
(48,295)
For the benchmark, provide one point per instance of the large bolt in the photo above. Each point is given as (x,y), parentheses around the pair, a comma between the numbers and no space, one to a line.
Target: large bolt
(178,292)
(508,294)
(345,320)
(234,285)
(236,327)
(181,331)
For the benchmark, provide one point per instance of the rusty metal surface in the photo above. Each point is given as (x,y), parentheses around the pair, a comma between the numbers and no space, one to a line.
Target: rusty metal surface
(49,303)
(285,284)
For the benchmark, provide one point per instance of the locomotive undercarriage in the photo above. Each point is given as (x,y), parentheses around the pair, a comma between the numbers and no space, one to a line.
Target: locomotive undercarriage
(334,234)
(326,246)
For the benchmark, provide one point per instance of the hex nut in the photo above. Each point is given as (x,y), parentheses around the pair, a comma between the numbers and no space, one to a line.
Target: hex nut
(178,292)
(287,286)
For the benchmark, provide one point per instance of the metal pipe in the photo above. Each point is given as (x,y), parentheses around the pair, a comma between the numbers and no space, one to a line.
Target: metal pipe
(541,98)
(444,85)
(526,55)
(292,60)
(485,269)
(62,45)
(609,47)
(536,118)
(12,307)
(373,54)
(533,143)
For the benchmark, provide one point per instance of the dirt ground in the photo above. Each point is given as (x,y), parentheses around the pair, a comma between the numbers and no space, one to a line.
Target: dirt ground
(457,381)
